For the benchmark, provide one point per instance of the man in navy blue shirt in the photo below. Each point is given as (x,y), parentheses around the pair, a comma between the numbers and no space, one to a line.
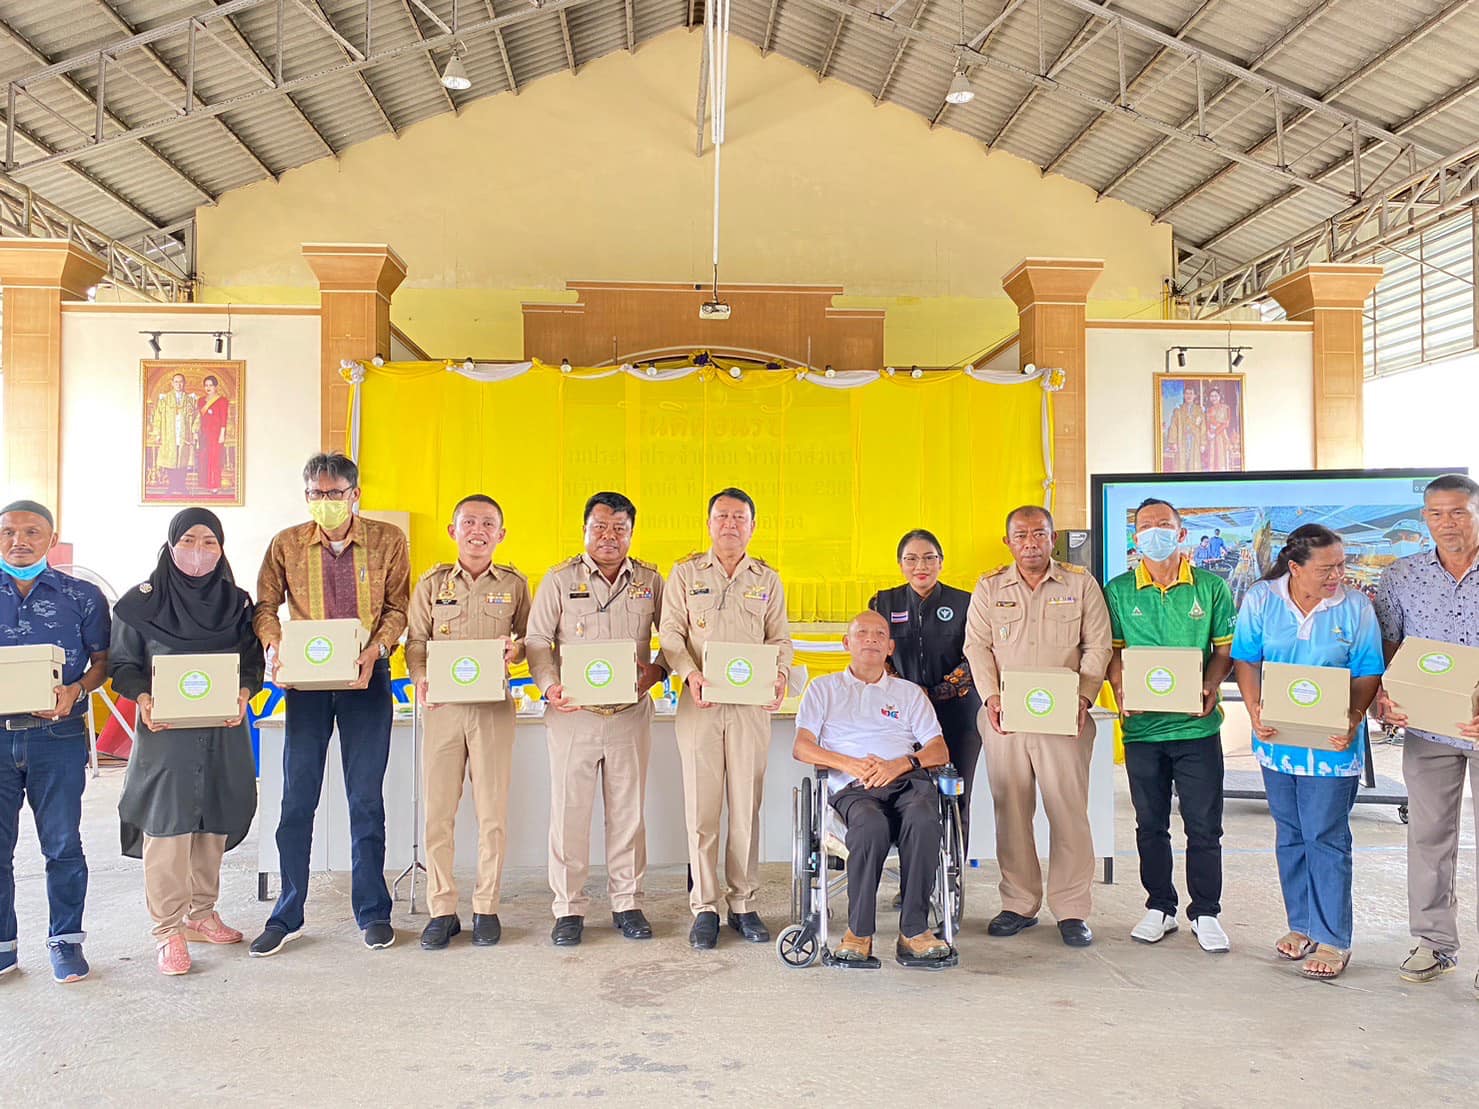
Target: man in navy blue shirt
(43,756)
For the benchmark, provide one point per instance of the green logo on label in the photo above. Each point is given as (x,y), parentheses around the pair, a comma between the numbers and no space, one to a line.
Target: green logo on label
(1435,663)
(598,673)
(1160,681)
(1040,702)
(194,684)
(465,670)
(1304,693)
(739,671)
(318,650)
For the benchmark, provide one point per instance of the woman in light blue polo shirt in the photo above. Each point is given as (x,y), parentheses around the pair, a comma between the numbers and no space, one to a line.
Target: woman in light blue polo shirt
(1301,612)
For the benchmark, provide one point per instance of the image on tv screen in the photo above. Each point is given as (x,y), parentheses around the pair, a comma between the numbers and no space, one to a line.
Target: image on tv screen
(1236,523)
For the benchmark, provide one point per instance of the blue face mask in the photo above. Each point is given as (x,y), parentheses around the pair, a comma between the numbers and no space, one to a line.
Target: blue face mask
(1157,544)
(24,573)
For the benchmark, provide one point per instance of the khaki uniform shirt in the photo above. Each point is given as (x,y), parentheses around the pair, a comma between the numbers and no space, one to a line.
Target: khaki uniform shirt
(1064,622)
(704,603)
(449,603)
(575,603)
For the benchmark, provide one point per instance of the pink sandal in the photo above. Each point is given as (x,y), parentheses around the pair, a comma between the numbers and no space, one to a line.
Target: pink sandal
(210,929)
(174,956)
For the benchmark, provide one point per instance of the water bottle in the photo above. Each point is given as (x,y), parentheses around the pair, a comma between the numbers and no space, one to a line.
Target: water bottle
(949,781)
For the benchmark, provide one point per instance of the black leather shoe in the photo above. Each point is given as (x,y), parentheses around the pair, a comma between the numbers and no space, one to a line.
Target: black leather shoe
(1008,923)
(439,931)
(750,926)
(486,929)
(704,935)
(567,930)
(632,924)
(1075,932)
(379,935)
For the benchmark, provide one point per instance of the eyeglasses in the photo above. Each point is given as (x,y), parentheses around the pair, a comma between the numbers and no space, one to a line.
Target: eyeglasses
(909,562)
(329,494)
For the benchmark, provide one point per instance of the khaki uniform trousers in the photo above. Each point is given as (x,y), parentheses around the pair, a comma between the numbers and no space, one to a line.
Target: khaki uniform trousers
(582,747)
(1017,766)
(182,879)
(459,741)
(1434,773)
(723,750)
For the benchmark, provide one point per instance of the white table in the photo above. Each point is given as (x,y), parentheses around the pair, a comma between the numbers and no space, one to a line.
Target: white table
(528,806)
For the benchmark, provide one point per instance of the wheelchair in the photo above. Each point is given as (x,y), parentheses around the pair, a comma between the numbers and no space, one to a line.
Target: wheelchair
(816,874)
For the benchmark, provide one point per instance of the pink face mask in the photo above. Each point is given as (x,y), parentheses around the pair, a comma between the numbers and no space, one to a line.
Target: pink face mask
(195,561)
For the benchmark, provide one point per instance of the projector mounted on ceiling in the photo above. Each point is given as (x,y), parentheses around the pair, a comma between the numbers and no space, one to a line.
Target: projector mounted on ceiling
(713,310)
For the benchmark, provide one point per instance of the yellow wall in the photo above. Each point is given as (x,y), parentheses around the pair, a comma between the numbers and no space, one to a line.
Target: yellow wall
(593,177)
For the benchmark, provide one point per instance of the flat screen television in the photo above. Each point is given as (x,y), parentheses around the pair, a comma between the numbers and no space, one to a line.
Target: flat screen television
(1236,522)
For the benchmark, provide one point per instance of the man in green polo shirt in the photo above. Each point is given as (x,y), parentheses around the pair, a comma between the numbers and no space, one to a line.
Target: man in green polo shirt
(1166,602)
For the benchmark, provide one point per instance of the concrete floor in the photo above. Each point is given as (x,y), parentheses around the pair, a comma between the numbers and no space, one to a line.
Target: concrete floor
(1024,1020)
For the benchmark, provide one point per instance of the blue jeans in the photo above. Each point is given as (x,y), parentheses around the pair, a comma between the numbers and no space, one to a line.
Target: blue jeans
(1313,845)
(363,716)
(46,766)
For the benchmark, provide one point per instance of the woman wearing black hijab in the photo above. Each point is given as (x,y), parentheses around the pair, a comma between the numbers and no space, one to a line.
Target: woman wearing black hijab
(190,793)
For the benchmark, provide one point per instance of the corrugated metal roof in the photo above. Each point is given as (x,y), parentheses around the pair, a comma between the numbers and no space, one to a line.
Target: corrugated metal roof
(1408,66)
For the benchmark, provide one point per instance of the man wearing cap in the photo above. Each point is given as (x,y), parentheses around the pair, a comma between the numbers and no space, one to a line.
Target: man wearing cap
(44,757)
(472,598)
(727,596)
(602,594)
(1033,613)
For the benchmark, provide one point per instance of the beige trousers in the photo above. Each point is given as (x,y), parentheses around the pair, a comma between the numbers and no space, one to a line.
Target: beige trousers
(1017,766)
(182,879)
(1434,773)
(466,742)
(584,747)
(723,750)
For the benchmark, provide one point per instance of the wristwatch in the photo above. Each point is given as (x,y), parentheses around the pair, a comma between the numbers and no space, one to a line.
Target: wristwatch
(384,651)
(914,762)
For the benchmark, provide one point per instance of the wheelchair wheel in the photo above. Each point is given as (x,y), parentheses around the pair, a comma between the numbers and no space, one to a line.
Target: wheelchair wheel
(797,946)
(802,854)
(950,887)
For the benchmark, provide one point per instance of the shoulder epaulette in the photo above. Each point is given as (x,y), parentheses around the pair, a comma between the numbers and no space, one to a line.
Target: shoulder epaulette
(761,562)
(689,557)
(1002,569)
(564,564)
(510,568)
(644,564)
(440,567)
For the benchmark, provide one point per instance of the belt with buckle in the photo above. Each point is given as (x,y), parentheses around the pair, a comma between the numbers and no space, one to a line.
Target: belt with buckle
(24,723)
(606,710)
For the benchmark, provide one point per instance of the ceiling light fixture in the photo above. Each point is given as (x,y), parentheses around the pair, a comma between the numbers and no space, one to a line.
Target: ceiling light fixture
(454,76)
(960,89)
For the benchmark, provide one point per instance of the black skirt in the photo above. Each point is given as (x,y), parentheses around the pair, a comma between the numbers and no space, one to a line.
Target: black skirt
(185,780)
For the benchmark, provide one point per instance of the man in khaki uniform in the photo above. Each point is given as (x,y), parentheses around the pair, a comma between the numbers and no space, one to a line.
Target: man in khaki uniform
(1035,613)
(726,596)
(600,595)
(472,598)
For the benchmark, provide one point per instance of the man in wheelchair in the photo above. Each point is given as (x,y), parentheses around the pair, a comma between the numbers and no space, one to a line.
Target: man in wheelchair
(877,736)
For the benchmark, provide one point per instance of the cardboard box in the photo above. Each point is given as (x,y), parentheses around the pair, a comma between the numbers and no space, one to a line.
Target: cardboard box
(29,677)
(1435,683)
(196,691)
(1307,704)
(1162,679)
(740,673)
(1043,700)
(321,654)
(465,671)
(600,673)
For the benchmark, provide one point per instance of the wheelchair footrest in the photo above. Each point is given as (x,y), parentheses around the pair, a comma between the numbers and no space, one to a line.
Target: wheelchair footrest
(950,960)
(830,960)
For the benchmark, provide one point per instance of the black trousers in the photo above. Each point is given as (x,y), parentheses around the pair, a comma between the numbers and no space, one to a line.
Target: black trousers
(1194,767)
(906,812)
(958,722)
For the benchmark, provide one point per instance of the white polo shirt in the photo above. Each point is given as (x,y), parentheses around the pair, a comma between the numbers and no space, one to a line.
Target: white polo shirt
(852,717)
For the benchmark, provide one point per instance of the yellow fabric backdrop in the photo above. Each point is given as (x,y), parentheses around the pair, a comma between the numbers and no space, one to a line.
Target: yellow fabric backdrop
(837,474)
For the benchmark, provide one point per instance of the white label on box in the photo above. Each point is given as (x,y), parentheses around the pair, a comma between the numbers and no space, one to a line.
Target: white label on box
(194,685)
(598,673)
(1160,681)
(1305,693)
(466,670)
(739,671)
(318,650)
(1435,662)
(1039,701)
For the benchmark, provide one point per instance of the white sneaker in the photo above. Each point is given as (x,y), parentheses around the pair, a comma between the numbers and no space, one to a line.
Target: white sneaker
(1155,927)
(1209,933)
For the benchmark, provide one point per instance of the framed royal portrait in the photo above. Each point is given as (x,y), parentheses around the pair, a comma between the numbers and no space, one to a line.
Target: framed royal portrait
(194,431)
(1198,423)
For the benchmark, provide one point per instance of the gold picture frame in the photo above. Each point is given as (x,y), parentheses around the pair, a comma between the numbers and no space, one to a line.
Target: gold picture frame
(194,437)
(1189,436)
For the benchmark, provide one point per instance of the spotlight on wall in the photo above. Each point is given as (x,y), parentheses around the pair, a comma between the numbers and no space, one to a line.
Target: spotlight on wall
(454,75)
(154,342)
(1237,358)
(1029,369)
(916,373)
(564,365)
(1181,357)
(220,343)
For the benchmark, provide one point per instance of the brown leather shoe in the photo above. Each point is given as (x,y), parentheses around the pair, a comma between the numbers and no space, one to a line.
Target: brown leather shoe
(926,945)
(854,949)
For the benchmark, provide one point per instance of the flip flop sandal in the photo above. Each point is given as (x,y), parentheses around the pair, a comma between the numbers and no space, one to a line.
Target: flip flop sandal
(1330,956)
(1306,949)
